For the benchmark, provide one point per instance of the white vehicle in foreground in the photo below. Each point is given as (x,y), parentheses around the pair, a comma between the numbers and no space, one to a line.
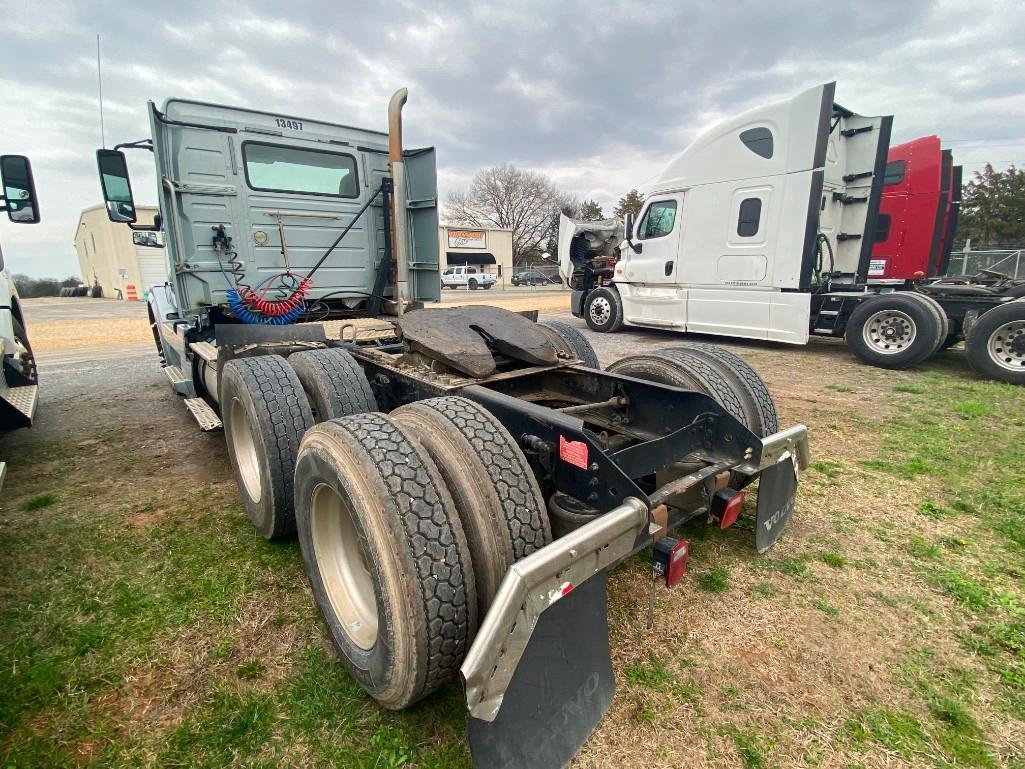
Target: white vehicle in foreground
(466,277)
(18,384)
(18,381)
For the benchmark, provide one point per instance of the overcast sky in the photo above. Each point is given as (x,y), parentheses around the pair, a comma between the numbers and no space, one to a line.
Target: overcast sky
(599,95)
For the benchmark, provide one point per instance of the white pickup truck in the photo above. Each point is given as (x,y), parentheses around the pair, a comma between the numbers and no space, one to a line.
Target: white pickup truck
(468,277)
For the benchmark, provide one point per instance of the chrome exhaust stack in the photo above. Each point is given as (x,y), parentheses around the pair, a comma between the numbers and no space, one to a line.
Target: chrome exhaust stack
(400,222)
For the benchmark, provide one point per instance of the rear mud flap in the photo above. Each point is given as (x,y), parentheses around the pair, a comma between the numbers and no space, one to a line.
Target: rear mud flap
(777,492)
(562,687)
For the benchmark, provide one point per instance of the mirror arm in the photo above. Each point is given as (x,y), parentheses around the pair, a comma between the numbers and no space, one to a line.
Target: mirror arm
(142,144)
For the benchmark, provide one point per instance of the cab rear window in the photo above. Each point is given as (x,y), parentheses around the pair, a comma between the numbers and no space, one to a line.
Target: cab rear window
(276,168)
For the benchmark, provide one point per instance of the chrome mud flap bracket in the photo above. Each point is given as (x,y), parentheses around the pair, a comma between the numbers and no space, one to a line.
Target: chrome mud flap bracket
(538,676)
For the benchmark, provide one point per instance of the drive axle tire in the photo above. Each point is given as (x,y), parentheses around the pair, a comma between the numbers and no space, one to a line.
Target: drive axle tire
(996,343)
(265,415)
(334,382)
(496,495)
(747,382)
(569,340)
(471,284)
(689,370)
(386,556)
(942,322)
(603,310)
(893,331)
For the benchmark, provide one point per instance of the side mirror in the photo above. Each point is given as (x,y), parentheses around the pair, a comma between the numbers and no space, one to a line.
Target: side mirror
(117,188)
(628,233)
(19,189)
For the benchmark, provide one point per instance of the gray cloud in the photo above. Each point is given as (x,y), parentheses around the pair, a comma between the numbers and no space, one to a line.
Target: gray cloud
(597,94)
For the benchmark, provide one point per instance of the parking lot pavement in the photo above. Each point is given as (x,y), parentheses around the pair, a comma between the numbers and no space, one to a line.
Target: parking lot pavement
(460,294)
(54,309)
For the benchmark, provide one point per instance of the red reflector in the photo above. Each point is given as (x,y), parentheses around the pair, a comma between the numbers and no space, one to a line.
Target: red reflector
(566,588)
(669,558)
(732,509)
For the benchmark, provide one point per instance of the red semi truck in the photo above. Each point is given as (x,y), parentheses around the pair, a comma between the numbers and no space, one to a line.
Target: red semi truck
(918,213)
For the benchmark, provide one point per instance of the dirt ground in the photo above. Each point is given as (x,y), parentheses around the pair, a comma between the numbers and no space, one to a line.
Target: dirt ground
(849,644)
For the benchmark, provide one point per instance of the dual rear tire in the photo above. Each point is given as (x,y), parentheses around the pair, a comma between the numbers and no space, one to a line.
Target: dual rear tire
(714,371)
(897,330)
(407,525)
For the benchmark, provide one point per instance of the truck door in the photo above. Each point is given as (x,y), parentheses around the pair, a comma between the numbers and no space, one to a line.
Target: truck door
(657,234)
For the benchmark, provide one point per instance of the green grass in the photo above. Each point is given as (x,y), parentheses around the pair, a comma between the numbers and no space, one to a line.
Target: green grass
(909,388)
(835,560)
(828,467)
(657,676)
(748,744)
(39,501)
(714,580)
(825,607)
(764,590)
(93,610)
(956,441)
(789,565)
(896,730)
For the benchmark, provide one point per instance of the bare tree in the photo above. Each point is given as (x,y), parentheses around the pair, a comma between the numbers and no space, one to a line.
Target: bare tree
(506,196)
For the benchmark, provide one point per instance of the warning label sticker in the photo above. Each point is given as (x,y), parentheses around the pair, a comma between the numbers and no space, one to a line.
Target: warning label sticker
(877,267)
(573,452)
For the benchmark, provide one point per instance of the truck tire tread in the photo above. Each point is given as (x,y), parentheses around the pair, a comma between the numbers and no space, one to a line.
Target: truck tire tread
(334,382)
(697,368)
(749,380)
(500,504)
(942,322)
(574,342)
(280,412)
(412,506)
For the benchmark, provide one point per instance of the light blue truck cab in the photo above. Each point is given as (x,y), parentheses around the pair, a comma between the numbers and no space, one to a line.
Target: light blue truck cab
(274,208)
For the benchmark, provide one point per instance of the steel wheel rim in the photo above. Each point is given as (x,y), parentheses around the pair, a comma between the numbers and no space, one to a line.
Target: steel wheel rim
(244,447)
(1006,346)
(343,567)
(601,311)
(889,332)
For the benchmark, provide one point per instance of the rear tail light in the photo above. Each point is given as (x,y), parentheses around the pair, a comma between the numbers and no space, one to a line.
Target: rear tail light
(669,559)
(726,506)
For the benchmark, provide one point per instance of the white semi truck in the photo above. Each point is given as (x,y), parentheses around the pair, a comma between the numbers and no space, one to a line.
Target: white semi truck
(19,380)
(461,481)
(763,229)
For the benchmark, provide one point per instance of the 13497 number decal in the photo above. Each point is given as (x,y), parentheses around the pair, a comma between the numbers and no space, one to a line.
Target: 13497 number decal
(295,125)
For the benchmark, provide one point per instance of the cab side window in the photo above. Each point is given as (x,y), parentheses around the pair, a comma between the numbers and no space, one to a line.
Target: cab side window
(658,220)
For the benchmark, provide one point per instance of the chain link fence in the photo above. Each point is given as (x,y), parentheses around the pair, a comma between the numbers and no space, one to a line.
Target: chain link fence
(971,262)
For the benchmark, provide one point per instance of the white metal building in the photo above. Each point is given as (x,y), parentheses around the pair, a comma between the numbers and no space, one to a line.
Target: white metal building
(489,249)
(125,263)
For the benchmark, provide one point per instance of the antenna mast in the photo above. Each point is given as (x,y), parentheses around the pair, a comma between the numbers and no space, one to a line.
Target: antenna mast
(99,82)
